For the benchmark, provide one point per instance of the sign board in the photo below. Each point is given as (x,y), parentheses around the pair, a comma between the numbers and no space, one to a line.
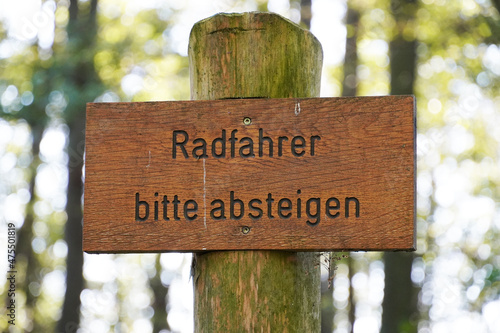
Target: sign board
(250,174)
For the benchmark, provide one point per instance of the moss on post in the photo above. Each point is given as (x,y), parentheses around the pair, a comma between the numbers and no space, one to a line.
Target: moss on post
(259,55)
(253,55)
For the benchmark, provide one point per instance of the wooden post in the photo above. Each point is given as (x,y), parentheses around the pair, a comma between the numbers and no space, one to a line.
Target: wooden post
(255,55)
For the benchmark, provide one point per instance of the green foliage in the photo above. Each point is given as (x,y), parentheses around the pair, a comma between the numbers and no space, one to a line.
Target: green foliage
(458,114)
(47,87)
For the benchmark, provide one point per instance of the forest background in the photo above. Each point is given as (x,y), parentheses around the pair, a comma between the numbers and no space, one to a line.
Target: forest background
(57,55)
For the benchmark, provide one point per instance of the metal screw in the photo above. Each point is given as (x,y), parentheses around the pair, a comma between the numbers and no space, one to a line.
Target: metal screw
(245,230)
(247,121)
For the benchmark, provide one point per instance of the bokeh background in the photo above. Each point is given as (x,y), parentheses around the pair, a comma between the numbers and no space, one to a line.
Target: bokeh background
(57,55)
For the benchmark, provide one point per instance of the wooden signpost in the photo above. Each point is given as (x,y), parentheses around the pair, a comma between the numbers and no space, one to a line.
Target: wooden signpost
(279,170)
(250,174)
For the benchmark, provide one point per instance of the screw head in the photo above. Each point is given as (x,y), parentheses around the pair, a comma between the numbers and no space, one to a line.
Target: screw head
(245,230)
(247,121)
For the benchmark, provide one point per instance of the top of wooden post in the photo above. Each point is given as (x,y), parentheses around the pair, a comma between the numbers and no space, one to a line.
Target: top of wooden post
(277,59)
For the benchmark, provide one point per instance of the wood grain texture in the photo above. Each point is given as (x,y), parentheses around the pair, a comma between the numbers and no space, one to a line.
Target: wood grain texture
(253,55)
(259,291)
(364,149)
(242,56)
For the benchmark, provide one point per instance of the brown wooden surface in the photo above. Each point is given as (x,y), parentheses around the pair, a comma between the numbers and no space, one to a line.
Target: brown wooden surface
(366,151)
(263,55)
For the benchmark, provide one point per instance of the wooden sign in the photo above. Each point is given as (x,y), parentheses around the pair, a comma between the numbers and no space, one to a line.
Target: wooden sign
(250,174)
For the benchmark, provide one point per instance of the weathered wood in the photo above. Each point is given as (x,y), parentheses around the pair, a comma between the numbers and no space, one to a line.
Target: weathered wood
(255,55)
(257,291)
(338,176)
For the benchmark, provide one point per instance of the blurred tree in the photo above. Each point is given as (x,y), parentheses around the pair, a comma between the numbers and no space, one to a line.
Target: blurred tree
(457,87)
(306,13)
(350,81)
(160,292)
(29,72)
(349,88)
(25,257)
(80,84)
(399,312)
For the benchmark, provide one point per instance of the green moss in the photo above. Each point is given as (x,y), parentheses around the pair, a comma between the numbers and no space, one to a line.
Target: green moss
(244,56)
(256,289)
(253,55)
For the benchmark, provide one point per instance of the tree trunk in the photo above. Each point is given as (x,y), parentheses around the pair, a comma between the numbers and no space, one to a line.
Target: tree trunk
(255,55)
(400,296)
(306,13)
(70,318)
(25,257)
(159,305)
(82,79)
(327,308)
(350,88)
(350,82)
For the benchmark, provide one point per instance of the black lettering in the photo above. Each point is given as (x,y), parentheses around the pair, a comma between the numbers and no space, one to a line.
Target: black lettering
(263,139)
(313,139)
(165,202)
(232,202)
(222,141)
(282,208)
(219,209)
(233,140)
(202,147)
(255,208)
(299,205)
(188,210)
(156,207)
(270,201)
(317,213)
(138,204)
(176,203)
(248,146)
(329,207)
(280,144)
(347,201)
(296,145)
(246,149)
(175,143)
